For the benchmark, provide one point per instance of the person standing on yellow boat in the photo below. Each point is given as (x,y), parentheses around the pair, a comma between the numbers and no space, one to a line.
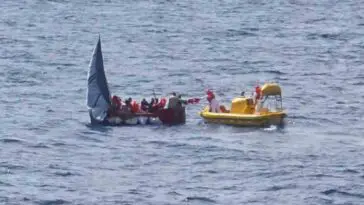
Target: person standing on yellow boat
(213,103)
(257,98)
(258,93)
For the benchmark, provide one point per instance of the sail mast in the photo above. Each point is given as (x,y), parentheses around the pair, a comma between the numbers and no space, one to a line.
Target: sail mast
(98,94)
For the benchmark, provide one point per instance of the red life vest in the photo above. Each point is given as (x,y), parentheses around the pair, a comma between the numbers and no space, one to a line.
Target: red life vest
(258,92)
(134,107)
(160,104)
(209,92)
(210,97)
(193,100)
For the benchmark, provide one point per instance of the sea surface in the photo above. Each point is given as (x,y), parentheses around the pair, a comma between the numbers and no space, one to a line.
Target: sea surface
(51,155)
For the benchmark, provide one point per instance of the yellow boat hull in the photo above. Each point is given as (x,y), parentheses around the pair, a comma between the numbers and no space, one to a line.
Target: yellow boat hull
(250,120)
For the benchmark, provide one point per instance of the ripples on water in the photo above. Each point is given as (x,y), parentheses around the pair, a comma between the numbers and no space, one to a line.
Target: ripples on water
(50,154)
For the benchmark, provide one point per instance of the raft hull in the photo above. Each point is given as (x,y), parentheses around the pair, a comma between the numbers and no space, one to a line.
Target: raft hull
(166,116)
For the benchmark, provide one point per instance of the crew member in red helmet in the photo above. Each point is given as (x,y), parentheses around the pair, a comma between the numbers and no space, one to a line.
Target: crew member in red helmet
(258,92)
(213,103)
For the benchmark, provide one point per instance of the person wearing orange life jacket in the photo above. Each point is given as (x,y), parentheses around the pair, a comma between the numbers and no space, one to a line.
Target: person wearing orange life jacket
(162,103)
(134,107)
(155,105)
(114,110)
(116,102)
(258,92)
(127,106)
(115,106)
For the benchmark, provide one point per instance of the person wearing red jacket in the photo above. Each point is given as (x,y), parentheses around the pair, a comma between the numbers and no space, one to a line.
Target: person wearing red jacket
(116,102)
(114,110)
(258,92)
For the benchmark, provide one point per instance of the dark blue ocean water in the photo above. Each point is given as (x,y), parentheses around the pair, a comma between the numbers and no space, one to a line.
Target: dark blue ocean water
(49,154)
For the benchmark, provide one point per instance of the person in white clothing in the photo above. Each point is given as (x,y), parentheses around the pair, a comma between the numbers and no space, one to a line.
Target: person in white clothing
(213,103)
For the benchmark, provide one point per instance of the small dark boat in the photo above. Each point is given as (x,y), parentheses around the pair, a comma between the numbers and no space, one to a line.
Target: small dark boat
(99,100)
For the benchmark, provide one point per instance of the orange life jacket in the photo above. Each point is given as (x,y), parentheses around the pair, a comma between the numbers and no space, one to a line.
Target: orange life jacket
(134,107)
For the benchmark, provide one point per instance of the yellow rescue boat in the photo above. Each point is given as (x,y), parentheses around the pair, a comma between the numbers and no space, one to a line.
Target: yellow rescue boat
(245,112)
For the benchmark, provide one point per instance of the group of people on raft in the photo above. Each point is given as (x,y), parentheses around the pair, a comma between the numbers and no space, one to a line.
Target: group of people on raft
(130,106)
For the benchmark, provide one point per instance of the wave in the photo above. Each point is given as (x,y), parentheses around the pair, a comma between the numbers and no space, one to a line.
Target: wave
(276,72)
(345,193)
(178,145)
(358,83)
(59,144)
(351,171)
(323,176)
(316,74)
(311,21)
(66,174)
(174,193)
(211,171)
(89,138)
(11,166)
(11,140)
(314,119)
(5,184)
(157,142)
(53,202)
(329,36)
(280,187)
(39,145)
(4,199)
(234,33)
(200,199)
